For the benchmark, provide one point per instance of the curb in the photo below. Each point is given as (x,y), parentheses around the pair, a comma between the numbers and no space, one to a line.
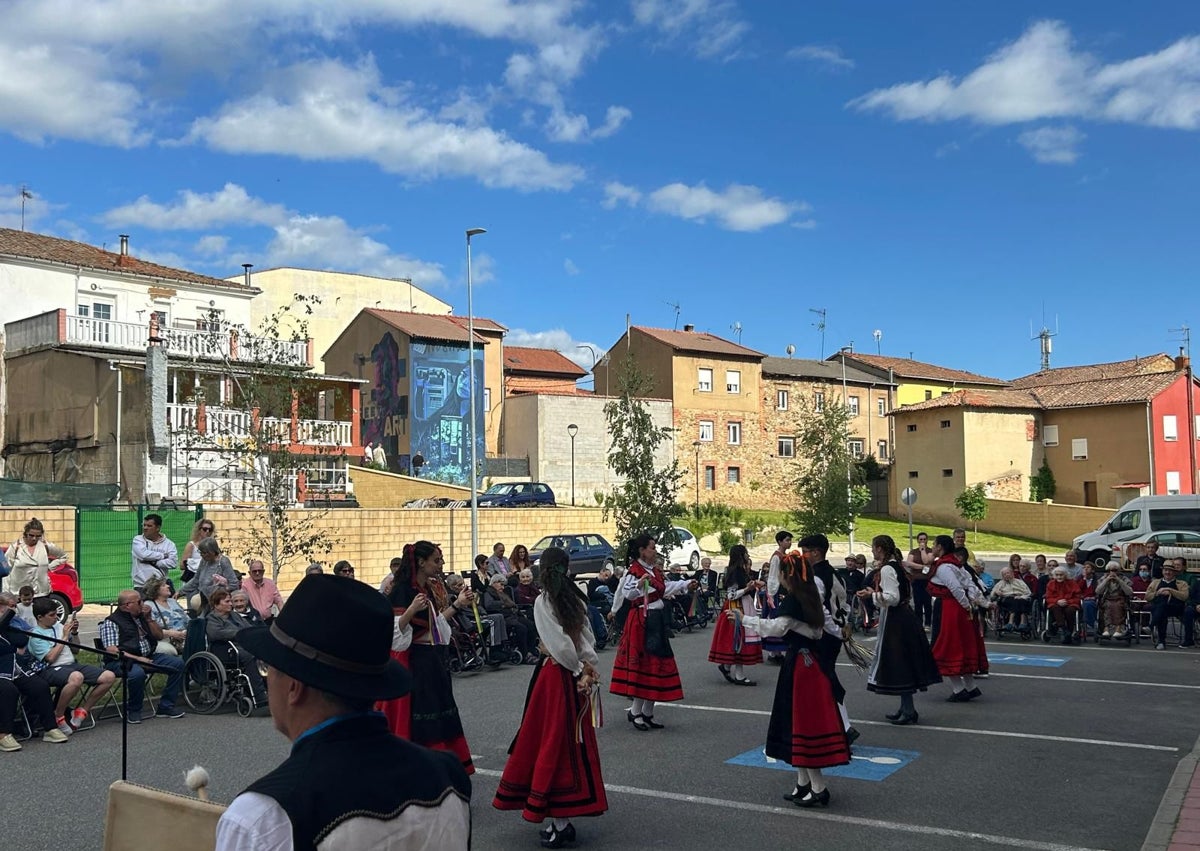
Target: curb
(1162,828)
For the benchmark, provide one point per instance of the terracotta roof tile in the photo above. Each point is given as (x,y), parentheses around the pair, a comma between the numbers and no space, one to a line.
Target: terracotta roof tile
(433,326)
(545,361)
(915,369)
(1098,371)
(1112,391)
(698,341)
(36,246)
(819,370)
(994,399)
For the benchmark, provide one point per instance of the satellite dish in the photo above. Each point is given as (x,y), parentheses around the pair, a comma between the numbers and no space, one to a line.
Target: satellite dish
(877,334)
(791,350)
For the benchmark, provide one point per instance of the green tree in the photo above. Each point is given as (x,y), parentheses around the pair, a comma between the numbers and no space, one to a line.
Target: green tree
(829,486)
(972,505)
(1042,484)
(643,501)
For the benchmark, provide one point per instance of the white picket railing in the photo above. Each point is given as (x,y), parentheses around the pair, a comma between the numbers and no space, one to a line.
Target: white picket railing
(229,422)
(184,342)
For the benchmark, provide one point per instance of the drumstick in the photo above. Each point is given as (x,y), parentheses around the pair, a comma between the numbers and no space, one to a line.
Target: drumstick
(197,781)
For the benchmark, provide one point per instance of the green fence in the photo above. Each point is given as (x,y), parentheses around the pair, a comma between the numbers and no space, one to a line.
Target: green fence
(104,540)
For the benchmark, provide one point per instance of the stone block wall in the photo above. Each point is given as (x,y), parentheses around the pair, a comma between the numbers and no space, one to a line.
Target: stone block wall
(58,520)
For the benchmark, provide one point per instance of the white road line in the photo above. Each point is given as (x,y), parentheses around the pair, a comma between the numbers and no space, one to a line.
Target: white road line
(968,731)
(1092,680)
(839,819)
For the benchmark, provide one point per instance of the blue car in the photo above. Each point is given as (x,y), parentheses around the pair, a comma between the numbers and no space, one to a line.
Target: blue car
(517,495)
(589,552)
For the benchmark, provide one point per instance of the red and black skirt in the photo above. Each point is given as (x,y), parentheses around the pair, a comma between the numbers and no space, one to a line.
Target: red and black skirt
(428,715)
(553,768)
(806,728)
(638,672)
(956,648)
(722,649)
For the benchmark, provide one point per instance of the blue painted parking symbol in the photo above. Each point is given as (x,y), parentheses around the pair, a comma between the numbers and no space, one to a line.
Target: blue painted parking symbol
(865,763)
(1034,661)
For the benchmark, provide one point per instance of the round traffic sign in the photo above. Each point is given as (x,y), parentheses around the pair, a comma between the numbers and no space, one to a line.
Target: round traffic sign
(908,496)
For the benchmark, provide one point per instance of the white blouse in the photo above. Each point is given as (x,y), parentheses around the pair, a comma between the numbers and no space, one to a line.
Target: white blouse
(561,647)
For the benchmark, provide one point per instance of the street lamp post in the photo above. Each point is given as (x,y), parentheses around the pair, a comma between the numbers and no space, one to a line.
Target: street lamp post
(696,446)
(572,430)
(849,487)
(471,372)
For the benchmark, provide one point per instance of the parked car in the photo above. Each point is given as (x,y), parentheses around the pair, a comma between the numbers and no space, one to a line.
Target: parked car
(517,495)
(1171,545)
(1135,520)
(65,591)
(589,552)
(688,552)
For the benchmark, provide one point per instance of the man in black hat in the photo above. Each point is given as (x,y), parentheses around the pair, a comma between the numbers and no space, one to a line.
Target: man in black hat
(349,783)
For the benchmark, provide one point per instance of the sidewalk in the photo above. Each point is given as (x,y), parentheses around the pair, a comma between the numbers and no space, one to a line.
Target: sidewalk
(1176,825)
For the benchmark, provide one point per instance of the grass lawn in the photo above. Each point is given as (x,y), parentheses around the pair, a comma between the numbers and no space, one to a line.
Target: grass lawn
(869,527)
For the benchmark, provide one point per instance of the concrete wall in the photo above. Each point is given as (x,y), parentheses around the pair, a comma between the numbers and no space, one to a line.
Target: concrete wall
(1118,451)
(1002,448)
(377,489)
(1039,521)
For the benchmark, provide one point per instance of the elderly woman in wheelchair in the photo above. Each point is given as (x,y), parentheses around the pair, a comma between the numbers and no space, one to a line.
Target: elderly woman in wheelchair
(223,669)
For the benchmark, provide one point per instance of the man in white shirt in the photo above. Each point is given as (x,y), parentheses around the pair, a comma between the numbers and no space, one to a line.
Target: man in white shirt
(154,554)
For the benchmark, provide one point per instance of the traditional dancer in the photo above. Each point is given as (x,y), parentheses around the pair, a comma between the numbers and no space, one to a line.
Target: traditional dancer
(644,669)
(814,548)
(904,663)
(428,715)
(955,648)
(775,647)
(733,643)
(806,727)
(968,575)
(553,768)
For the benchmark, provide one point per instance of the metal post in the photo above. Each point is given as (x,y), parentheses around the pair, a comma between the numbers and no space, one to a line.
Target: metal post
(696,446)
(471,370)
(572,430)
(849,487)
(910,534)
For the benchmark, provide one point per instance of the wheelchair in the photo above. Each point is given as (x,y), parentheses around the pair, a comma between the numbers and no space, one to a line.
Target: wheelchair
(209,682)
(1050,631)
(1129,625)
(1000,629)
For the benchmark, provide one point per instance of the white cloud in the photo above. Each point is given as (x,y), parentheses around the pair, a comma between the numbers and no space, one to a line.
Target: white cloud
(736,208)
(566,127)
(823,54)
(483,268)
(618,193)
(317,242)
(325,110)
(570,268)
(1043,76)
(711,27)
(557,339)
(1053,145)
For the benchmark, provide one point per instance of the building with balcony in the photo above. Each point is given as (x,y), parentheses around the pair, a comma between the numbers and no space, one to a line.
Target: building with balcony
(78,399)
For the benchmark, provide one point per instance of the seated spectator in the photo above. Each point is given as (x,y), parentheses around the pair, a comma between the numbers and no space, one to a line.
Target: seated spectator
(25,604)
(1041,570)
(526,591)
(62,672)
(1113,596)
(497,565)
(1167,598)
(222,627)
(241,606)
(1063,603)
(1074,568)
(131,631)
(600,589)
(1190,610)
(343,568)
(1087,587)
(1025,574)
(385,586)
(464,619)
(214,571)
(1151,561)
(520,631)
(168,614)
(263,593)
(313,568)
(985,579)
(482,577)
(16,683)
(1012,599)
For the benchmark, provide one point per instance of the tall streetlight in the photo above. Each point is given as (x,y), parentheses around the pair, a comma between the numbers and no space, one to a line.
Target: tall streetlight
(572,430)
(849,486)
(696,445)
(471,371)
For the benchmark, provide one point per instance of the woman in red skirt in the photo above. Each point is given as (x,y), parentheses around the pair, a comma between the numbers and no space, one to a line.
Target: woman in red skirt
(427,715)
(553,768)
(733,643)
(956,649)
(644,669)
(806,727)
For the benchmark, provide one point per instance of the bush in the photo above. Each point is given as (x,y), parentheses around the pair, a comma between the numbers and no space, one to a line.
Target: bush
(728,539)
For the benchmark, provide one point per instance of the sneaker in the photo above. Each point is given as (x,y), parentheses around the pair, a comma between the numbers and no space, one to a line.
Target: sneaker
(169,712)
(134,717)
(8,743)
(65,728)
(1110,632)
(54,737)
(79,717)
(1160,646)
(1120,633)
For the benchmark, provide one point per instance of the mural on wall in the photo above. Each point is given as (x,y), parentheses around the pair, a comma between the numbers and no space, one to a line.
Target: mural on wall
(432,420)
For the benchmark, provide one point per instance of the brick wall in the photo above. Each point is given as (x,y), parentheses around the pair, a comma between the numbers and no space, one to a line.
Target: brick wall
(58,520)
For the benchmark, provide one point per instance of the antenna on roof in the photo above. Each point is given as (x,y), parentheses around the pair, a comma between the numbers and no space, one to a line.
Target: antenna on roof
(791,350)
(677,307)
(26,195)
(820,326)
(736,327)
(1044,336)
(878,335)
(1186,333)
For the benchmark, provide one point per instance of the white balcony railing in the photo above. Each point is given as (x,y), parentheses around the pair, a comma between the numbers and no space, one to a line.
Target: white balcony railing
(231,423)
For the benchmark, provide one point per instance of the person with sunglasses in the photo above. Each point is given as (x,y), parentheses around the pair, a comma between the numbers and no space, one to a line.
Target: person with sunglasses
(263,592)
(203,528)
(343,568)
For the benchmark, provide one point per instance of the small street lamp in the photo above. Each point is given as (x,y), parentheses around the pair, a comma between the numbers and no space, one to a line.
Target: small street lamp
(572,430)
(696,446)
(471,371)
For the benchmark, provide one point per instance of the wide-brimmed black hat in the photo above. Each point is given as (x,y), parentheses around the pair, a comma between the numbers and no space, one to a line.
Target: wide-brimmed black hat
(334,634)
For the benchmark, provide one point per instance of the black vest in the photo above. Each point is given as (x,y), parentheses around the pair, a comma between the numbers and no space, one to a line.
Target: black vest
(355,768)
(130,633)
(901,580)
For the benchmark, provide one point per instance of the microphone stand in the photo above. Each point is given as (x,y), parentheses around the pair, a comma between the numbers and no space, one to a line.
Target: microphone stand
(122,658)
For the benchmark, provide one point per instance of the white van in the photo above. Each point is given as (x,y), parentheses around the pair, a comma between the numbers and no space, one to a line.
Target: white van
(1139,516)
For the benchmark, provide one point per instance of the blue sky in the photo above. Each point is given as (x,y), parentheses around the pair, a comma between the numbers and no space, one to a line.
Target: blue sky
(943,172)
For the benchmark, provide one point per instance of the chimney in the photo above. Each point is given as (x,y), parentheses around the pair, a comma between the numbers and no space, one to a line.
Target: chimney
(246,274)
(1182,361)
(123,258)
(689,327)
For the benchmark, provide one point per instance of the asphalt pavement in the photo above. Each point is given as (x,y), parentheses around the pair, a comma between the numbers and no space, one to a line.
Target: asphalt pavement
(1069,748)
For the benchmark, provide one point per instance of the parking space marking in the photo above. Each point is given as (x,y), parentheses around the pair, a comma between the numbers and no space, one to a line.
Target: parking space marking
(1034,661)
(833,818)
(874,764)
(1094,680)
(966,730)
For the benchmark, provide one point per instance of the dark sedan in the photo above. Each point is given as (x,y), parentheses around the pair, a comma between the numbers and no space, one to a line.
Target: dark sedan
(589,552)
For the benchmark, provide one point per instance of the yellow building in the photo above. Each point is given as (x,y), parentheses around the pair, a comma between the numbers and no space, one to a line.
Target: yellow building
(917,381)
(342,295)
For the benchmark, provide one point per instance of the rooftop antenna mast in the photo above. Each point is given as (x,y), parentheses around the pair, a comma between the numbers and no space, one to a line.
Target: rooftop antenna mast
(26,195)
(677,307)
(1186,333)
(1044,336)
(736,327)
(878,335)
(820,326)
